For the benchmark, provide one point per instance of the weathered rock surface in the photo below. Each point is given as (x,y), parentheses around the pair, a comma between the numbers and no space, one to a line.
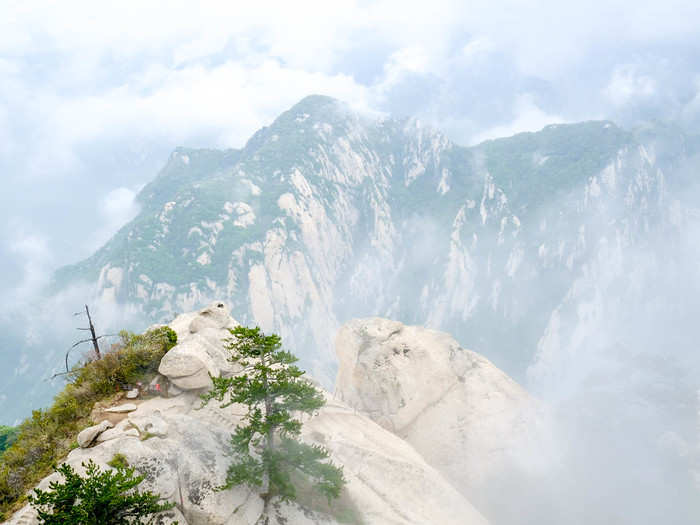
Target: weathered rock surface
(389,482)
(150,423)
(120,409)
(88,435)
(185,457)
(200,350)
(420,425)
(461,413)
(122,429)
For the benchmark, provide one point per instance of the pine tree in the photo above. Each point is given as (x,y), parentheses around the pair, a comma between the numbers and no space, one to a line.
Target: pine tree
(267,451)
(99,498)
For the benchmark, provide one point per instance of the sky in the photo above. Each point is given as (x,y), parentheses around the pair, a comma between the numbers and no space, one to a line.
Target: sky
(94,96)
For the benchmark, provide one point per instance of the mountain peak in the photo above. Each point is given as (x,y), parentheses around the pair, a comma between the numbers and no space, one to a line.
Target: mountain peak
(313,109)
(311,112)
(315,102)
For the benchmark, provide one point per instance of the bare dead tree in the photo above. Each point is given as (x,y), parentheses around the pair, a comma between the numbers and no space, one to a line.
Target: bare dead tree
(94,338)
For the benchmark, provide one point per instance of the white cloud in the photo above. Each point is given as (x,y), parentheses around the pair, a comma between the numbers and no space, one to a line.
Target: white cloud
(119,206)
(227,102)
(528,118)
(692,110)
(114,210)
(628,84)
(32,252)
(476,48)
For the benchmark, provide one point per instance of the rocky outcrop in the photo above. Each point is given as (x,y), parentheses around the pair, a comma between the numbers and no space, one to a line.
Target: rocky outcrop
(122,429)
(200,349)
(88,435)
(183,447)
(460,412)
(389,482)
(183,451)
(122,409)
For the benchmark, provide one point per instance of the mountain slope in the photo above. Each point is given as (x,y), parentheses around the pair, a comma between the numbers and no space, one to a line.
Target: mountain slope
(326,215)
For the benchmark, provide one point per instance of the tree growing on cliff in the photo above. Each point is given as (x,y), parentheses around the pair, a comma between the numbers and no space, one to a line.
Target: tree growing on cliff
(267,451)
(98,498)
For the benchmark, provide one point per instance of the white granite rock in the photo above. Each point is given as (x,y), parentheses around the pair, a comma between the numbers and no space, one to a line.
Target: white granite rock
(122,429)
(388,481)
(174,391)
(88,435)
(200,350)
(460,412)
(152,424)
(113,433)
(120,409)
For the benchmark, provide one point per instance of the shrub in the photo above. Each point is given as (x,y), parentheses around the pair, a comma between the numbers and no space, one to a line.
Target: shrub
(99,498)
(118,461)
(138,356)
(48,435)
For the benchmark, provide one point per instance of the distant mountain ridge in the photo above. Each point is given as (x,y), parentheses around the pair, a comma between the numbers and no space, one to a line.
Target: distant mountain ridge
(328,214)
(273,227)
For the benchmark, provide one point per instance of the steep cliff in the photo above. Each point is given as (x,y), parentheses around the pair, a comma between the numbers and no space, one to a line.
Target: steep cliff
(466,417)
(183,449)
(327,215)
(517,246)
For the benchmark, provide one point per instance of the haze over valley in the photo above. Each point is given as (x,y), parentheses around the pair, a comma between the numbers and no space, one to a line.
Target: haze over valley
(488,266)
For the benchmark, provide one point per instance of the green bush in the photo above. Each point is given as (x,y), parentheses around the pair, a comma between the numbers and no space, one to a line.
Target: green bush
(138,356)
(48,435)
(98,498)
(118,461)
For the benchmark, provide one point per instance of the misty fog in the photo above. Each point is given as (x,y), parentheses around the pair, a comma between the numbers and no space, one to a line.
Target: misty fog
(606,344)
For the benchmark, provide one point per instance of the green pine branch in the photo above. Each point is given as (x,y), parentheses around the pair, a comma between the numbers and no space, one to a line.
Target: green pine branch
(267,452)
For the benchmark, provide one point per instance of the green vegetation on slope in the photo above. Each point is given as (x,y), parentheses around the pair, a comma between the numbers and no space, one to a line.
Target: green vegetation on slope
(184,177)
(46,438)
(8,435)
(185,168)
(535,167)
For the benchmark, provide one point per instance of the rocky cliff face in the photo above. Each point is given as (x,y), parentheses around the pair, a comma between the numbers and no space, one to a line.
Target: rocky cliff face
(328,215)
(183,448)
(462,414)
